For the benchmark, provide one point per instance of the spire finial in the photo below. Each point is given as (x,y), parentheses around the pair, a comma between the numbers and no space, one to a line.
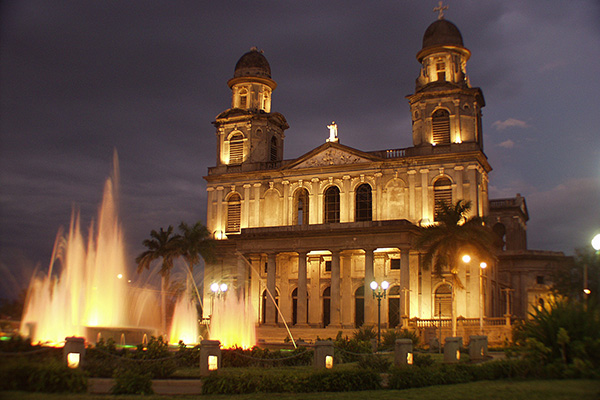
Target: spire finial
(440,8)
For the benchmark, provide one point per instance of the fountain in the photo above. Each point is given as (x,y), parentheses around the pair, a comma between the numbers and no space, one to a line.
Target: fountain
(184,325)
(91,295)
(233,321)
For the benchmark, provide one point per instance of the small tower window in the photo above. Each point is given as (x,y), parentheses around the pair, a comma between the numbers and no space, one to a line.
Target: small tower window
(364,204)
(442,193)
(440,68)
(243,98)
(234,213)
(274,149)
(440,121)
(332,205)
(236,149)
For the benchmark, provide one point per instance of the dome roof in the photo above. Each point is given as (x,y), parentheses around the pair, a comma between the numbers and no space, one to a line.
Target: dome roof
(442,32)
(253,63)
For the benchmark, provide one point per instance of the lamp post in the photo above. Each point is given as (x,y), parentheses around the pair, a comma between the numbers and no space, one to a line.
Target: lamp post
(379,293)
(482,266)
(217,290)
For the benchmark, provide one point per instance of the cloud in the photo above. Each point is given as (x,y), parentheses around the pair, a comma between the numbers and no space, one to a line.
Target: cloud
(510,123)
(507,144)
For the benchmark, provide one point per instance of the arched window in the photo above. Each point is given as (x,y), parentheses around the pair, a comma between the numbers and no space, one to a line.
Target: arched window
(234,211)
(332,205)
(443,301)
(359,307)
(394,306)
(265,298)
(364,203)
(326,306)
(273,148)
(440,122)
(295,307)
(442,193)
(236,149)
(243,98)
(500,230)
(301,207)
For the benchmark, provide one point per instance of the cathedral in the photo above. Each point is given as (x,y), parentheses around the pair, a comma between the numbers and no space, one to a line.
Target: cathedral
(303,239)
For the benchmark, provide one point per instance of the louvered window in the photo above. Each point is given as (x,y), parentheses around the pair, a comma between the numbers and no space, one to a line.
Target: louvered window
(442,193)
(301,215)
(234,213)
(273,148)
(441,127)
(236,149)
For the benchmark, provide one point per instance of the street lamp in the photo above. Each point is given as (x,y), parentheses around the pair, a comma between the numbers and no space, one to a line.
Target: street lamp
(596,246)
(379,293)
(217,290)
(466,259)
(482,266)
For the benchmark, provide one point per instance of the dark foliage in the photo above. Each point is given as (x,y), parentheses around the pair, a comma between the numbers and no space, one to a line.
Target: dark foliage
(49,376)
(257,357)
(132,382)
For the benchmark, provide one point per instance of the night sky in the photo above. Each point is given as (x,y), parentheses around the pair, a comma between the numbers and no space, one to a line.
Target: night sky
(79,79)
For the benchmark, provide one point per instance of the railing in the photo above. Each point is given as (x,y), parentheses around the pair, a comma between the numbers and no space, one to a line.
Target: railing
(447,322)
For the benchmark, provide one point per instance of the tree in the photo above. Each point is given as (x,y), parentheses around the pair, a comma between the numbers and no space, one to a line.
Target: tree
(194,242)
(454,235)
(569,277)
(161,245)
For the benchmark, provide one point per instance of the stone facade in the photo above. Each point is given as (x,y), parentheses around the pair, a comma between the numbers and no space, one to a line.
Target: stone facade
(316,230)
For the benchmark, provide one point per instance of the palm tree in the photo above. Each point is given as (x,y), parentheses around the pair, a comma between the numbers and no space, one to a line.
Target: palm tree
(161,245)
(454,235)
(194,242)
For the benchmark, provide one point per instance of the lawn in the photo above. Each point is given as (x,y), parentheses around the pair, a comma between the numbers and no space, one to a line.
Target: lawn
(482,390)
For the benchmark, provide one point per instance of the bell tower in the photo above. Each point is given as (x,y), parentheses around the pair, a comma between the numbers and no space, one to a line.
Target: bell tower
(249,132)
(445,108)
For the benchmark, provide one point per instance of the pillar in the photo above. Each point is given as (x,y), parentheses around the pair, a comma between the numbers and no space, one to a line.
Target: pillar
(452,347)
(335,289)
(302,293)
(323,357)
(210,356)
(370,303)
(403,352)
(270,309)
(74,352)
(478,348)
(405,286)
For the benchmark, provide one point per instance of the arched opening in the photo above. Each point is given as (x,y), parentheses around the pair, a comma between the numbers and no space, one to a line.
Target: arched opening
(394,306)
(234,213)
(364,203)
(243,98)
(236,149)
(443,301)
(440,122)
(442,193)
(326,306)
(359,307)
(301,207)
(332,205)
(265,298)
(295,307)
(500,230)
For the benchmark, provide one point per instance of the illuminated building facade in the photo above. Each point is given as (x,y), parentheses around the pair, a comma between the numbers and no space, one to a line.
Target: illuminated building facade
(316,230)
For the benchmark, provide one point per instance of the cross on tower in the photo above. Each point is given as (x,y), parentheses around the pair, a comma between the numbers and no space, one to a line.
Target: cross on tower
(440,8)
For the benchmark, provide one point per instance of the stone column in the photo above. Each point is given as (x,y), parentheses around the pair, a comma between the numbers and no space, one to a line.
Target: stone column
(302,311)
(242,276)
(245,221)
(411,195)
(256,219)
(425,214)
(370,302)
(220,218)
(335,289)
(405,286)
(271,272)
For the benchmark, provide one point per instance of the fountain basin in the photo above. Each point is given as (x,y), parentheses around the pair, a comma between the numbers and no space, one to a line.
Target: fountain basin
(121,335)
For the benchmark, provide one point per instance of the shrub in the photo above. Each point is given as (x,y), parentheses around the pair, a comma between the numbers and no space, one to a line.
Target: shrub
(390,336)
(132,381)
(350,350)
(50,376)
(350,380)
(257,357)
(375,362)
(364,334)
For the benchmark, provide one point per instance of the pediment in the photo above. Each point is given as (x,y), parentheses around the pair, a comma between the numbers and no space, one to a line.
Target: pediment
(331,154)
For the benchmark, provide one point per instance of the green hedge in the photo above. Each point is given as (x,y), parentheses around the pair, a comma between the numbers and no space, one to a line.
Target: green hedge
(51,376)
(324,381)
